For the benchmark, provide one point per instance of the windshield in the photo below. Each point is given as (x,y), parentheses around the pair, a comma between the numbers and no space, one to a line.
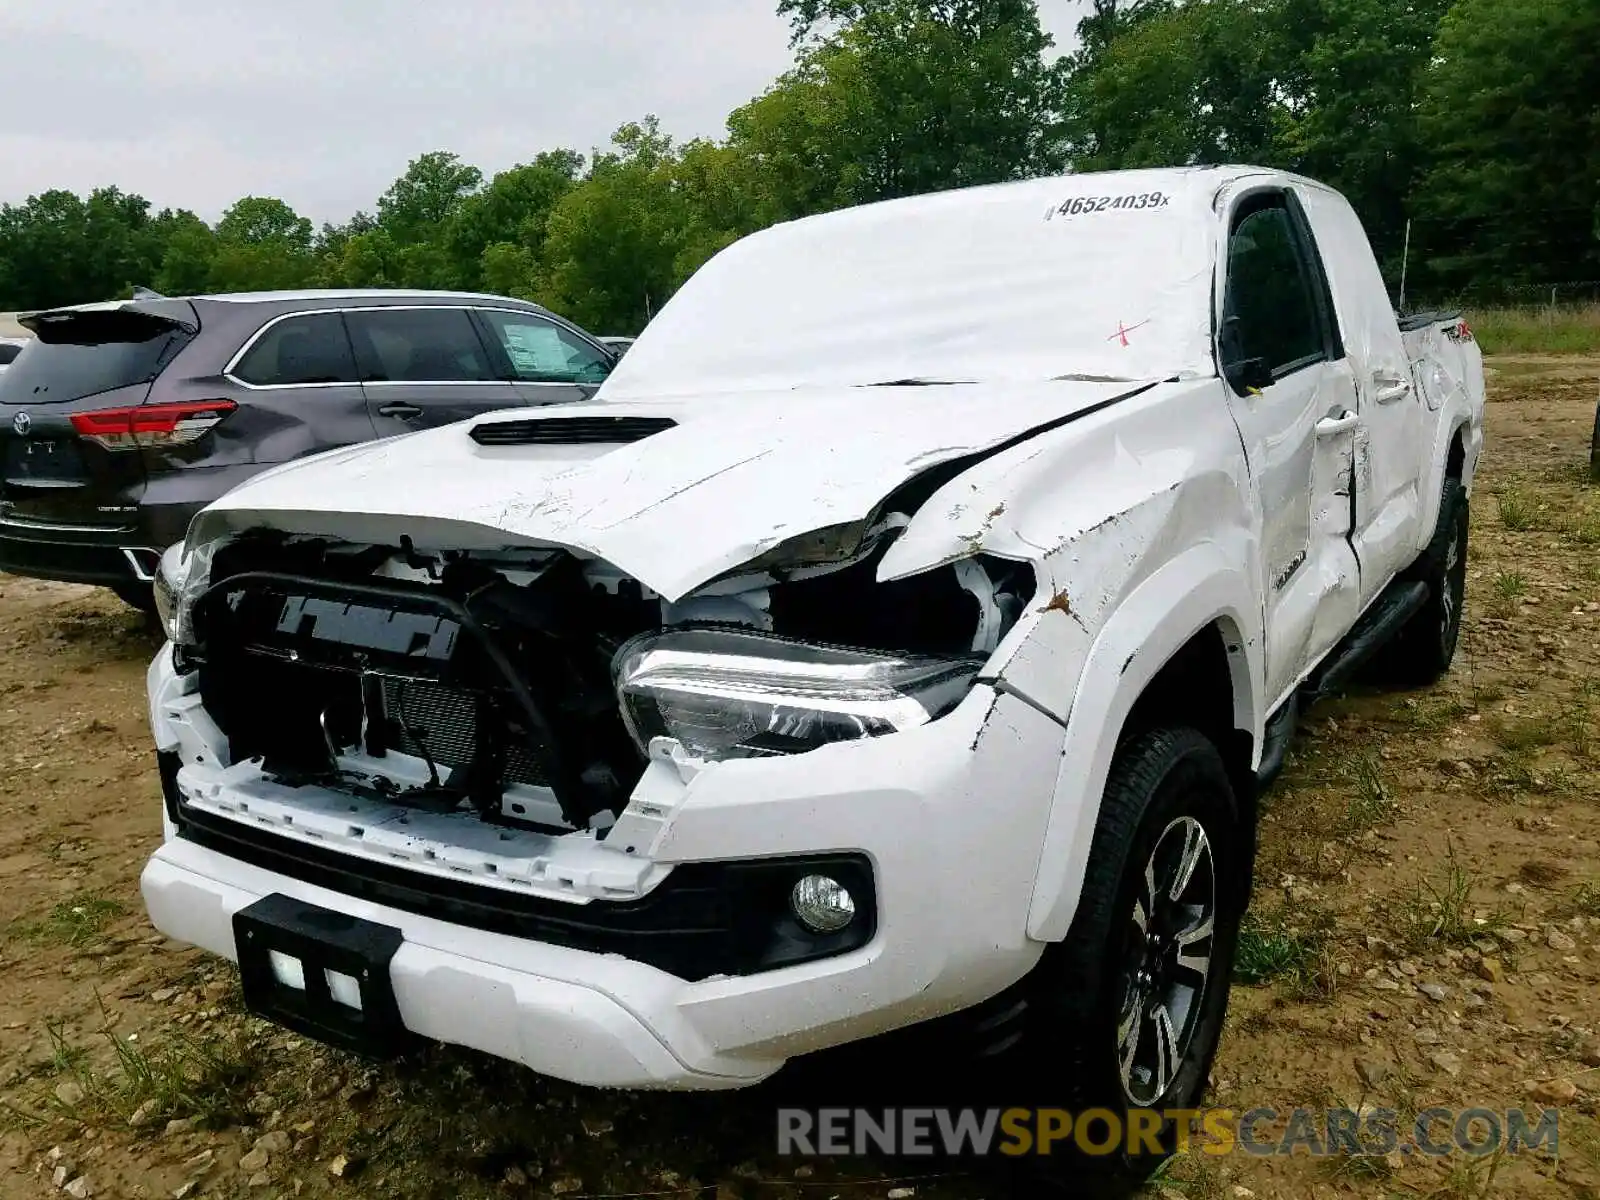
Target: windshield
(1096,275)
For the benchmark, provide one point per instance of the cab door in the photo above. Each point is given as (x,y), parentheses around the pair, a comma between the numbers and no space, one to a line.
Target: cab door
(1294,401)
(1395,438)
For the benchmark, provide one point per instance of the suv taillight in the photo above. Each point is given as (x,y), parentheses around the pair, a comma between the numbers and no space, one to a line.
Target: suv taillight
(151,424)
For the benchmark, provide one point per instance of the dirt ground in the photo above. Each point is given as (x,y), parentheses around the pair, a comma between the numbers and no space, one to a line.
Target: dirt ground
(1426,931)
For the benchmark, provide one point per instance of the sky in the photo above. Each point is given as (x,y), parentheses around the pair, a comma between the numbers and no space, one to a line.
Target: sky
(194,103)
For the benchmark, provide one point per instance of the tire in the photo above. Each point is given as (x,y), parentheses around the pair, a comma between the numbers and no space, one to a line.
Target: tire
(1594,448)
(1426,646)
(1168,794)
(136,595)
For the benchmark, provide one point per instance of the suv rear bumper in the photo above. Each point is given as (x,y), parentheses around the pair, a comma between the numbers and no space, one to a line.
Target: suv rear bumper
(122,558)
(107,558)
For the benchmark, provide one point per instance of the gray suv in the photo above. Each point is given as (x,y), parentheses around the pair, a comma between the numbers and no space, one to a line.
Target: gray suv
(120,421)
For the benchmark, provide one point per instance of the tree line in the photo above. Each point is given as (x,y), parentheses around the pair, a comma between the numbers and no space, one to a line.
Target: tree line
(1475,122)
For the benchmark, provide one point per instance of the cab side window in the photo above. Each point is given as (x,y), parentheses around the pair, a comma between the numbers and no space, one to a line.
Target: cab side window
(1270,313)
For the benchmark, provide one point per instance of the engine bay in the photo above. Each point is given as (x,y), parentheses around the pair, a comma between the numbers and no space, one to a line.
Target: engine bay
(455,682)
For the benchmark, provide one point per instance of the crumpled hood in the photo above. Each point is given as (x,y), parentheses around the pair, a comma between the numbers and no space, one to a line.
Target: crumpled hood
(739,475)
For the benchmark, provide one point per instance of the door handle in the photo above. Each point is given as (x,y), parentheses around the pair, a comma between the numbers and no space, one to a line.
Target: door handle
(1391,388)
(402,412)
(1334,426)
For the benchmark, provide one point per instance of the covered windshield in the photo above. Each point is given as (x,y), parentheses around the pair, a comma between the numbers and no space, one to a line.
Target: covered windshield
(1095,275)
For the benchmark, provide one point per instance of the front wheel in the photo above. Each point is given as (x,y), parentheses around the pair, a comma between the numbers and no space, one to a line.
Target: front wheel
(1126,1013)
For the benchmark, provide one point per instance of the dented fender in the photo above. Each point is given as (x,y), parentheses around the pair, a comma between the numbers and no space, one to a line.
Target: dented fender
(1200,587)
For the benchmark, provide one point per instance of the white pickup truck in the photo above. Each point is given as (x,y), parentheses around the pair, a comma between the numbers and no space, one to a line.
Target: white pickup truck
(903,632)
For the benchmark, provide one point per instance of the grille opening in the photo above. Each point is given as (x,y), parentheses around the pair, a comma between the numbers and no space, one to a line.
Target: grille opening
(570,431)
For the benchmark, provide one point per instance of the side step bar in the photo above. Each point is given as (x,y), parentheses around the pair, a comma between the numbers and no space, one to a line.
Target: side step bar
(1380,623)
(1275,745)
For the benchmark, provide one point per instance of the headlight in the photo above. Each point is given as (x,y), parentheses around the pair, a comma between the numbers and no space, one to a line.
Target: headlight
(179,582)
(726,694)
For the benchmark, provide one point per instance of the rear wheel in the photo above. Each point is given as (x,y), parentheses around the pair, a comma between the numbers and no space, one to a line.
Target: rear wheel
(1594,448)
(1426,646)
(1126,1013)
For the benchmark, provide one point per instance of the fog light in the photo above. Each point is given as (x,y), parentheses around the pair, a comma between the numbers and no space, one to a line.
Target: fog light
(822,904)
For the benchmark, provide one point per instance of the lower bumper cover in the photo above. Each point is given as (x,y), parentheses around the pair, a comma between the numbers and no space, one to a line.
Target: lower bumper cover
(504,996)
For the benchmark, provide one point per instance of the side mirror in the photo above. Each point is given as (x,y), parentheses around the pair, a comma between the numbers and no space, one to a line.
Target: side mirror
(1249,375)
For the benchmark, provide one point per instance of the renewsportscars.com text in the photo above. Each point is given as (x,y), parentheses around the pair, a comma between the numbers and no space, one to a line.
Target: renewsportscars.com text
(1016,1132)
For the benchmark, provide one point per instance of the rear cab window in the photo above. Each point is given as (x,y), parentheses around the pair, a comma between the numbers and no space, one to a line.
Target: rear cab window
(8,353)
(299,351)
(75,355)
(541,351)
(418,345)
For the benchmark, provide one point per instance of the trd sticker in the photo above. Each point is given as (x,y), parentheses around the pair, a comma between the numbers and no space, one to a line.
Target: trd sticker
(1085,206)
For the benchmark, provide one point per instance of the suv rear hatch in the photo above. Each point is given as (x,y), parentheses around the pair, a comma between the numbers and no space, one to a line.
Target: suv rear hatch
(70,444)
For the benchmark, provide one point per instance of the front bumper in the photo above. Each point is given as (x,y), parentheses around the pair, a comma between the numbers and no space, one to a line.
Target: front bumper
(951,817)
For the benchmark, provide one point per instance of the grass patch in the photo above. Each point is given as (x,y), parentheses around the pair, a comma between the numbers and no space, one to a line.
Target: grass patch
(1522,735)
(1274,948)
(1585,900)
(207,1079)
(1439,911)
(1510,585)
(1565,329)
(1369,803)
(74,922)
(1508,588)
(1517,513)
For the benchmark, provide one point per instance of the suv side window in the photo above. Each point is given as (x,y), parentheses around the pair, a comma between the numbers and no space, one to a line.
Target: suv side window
(1270,311)
(297,351)
(541,351)
(418,345)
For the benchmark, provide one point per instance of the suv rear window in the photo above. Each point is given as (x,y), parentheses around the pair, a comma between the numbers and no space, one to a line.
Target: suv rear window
(298,351)
(83,355)
(418,345)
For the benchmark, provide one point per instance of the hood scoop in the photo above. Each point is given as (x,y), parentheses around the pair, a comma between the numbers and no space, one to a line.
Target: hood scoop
(570,431)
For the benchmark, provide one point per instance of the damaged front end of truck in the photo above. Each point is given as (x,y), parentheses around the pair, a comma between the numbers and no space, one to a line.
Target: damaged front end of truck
(499,734)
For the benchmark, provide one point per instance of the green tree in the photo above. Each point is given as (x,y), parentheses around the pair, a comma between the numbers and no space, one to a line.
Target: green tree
(511,211)
(430,192)
(612,243)
(189,247)
(1163,85)
(1352,119)
(895,97)
(1511,118)
(58,248)
(262,244)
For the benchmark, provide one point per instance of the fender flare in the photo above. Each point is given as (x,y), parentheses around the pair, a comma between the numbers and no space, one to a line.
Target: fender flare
(1455,422)
(1201,587)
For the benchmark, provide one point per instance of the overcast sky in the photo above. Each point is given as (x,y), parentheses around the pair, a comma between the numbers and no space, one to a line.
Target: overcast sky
(194,103)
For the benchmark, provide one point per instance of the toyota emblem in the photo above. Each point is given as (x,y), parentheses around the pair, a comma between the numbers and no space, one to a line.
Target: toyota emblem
(22,422)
